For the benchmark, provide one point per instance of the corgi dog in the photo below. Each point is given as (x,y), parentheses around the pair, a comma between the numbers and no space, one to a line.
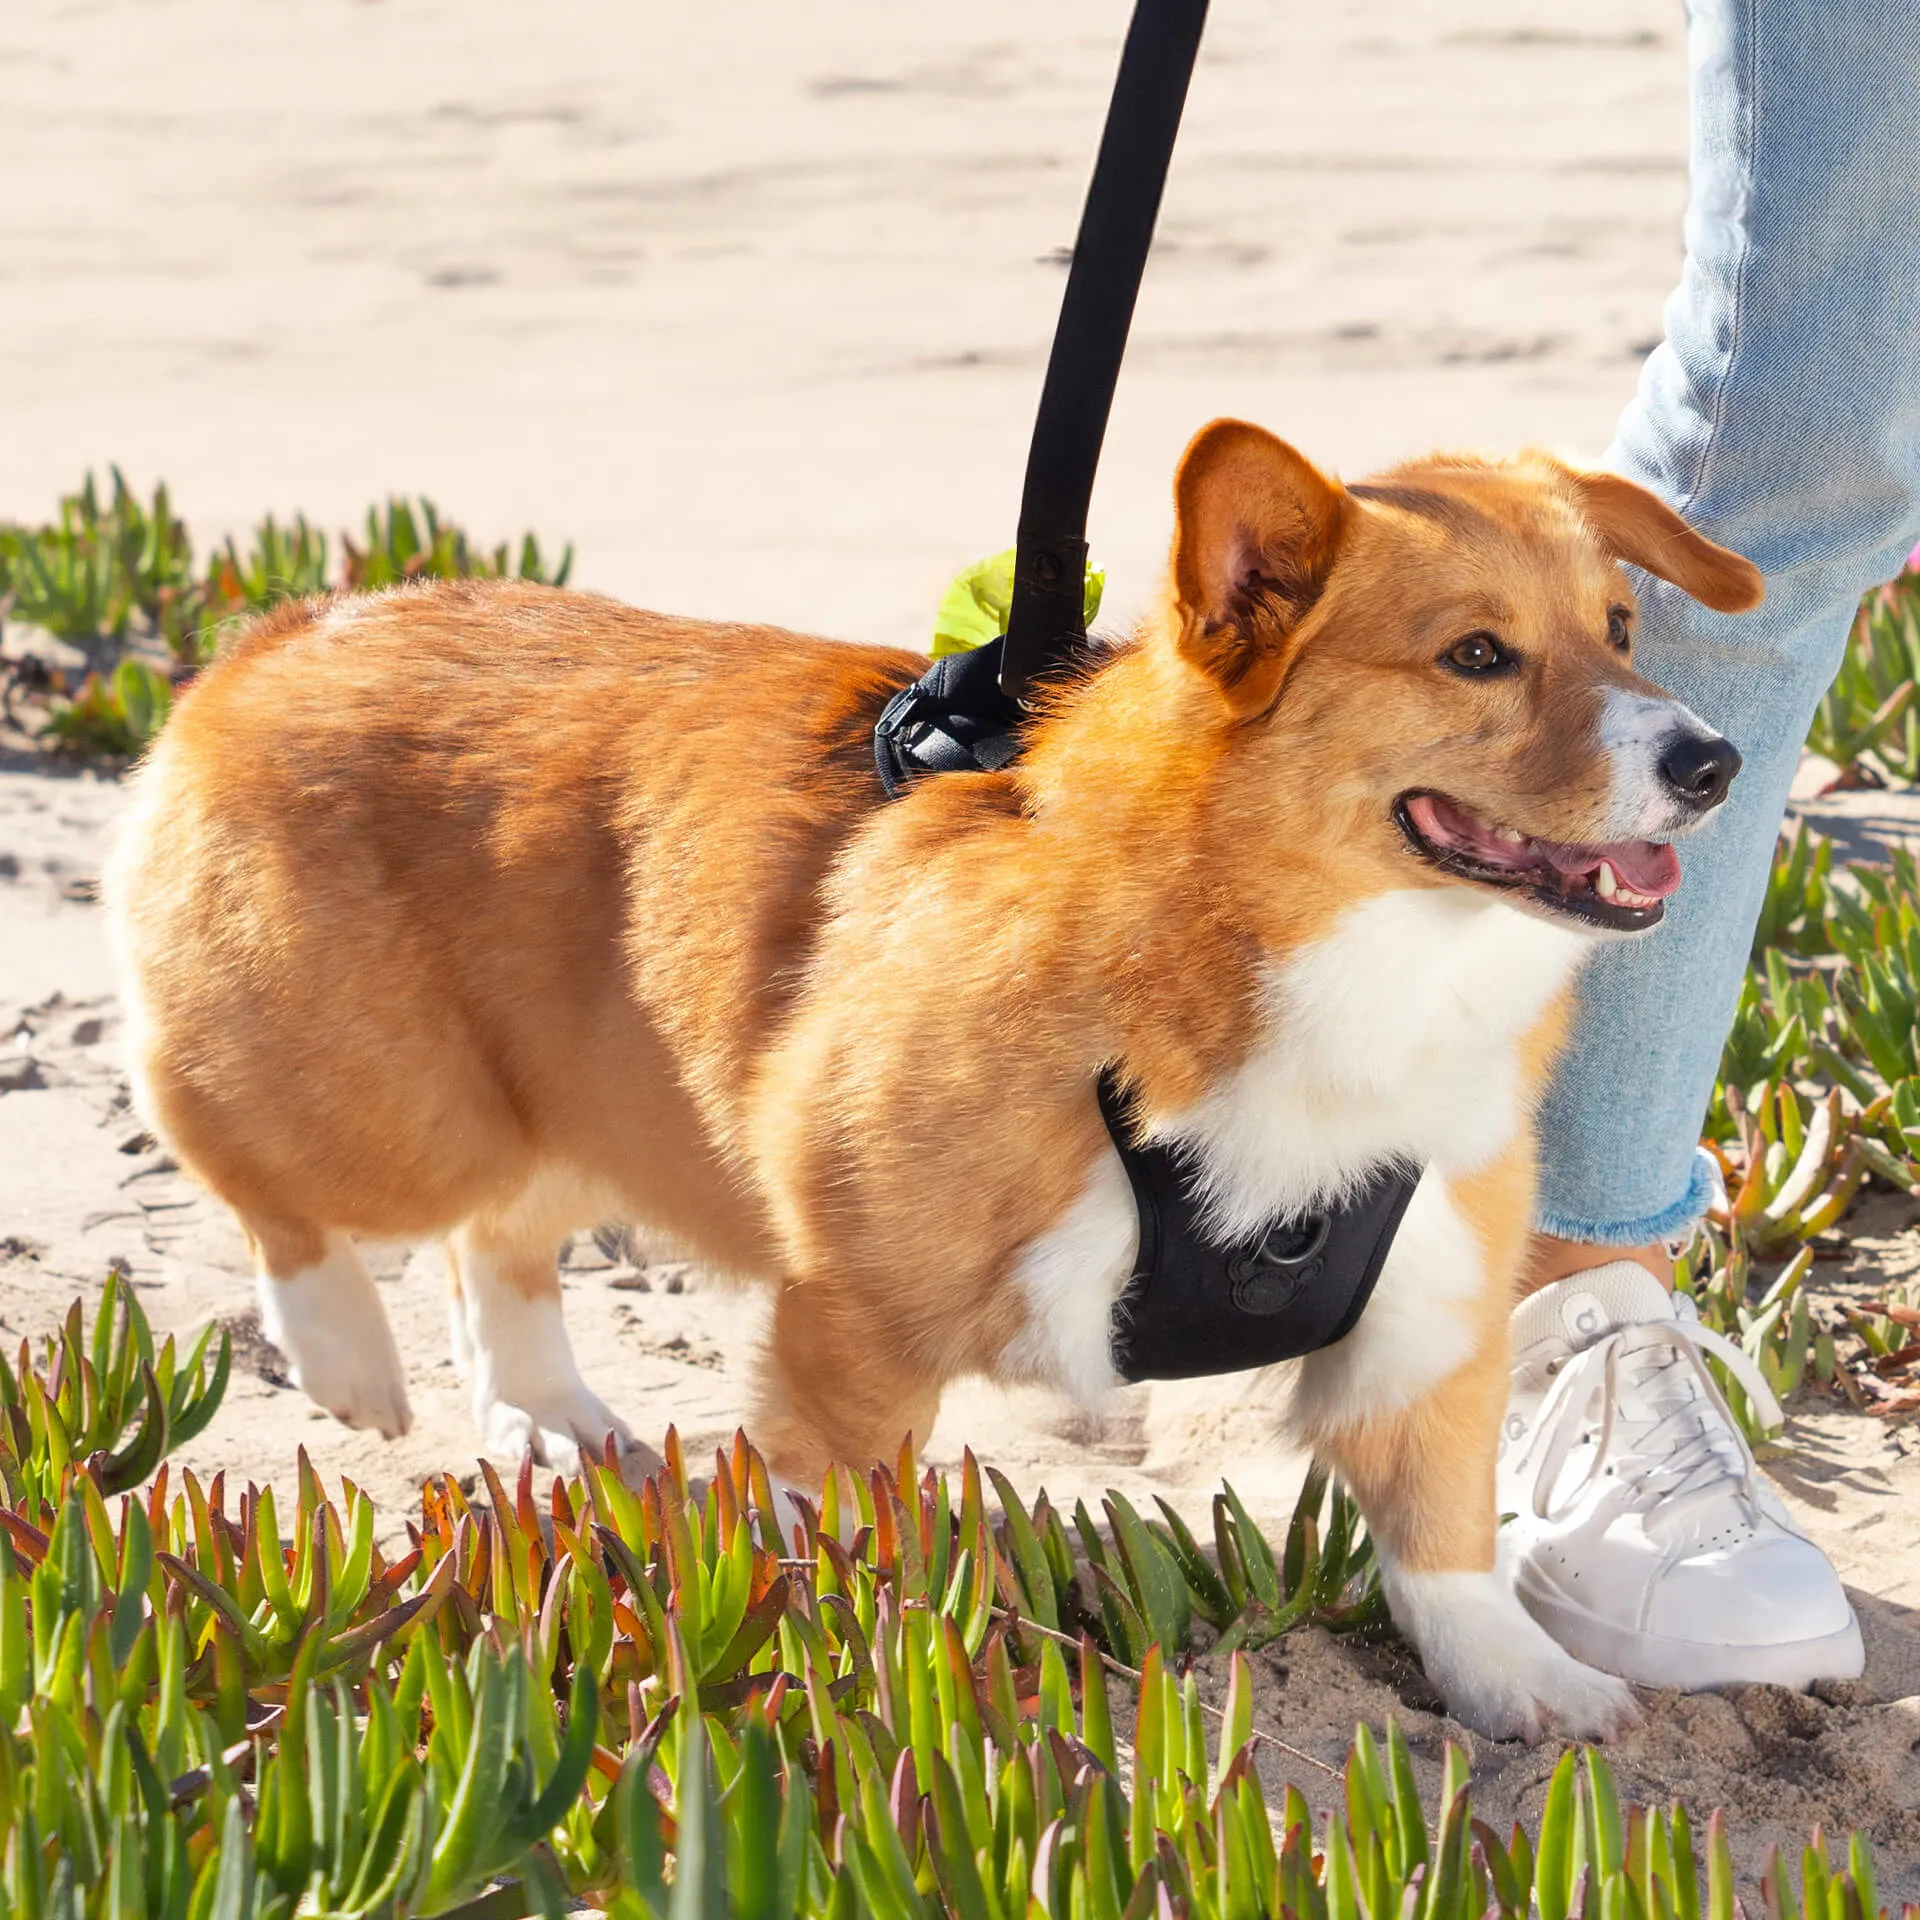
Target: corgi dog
(482,912)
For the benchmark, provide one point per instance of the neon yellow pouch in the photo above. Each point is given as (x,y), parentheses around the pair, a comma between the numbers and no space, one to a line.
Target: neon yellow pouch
(973,610)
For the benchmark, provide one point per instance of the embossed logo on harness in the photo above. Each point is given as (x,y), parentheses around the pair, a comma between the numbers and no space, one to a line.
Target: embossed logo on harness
(1269,1278)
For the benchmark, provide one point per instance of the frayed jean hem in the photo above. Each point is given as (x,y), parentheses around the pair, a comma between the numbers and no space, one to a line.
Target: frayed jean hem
(1702,1190)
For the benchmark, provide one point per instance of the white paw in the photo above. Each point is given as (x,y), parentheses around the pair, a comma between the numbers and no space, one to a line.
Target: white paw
(329,1323)
(1540,1693)
(1496,1667)
(558,1426)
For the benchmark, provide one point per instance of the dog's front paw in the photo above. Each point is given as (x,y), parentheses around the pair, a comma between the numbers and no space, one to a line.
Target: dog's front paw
(790,1520)
(528,1395)
(1539,1693)
(1498,1670)
(359,1389)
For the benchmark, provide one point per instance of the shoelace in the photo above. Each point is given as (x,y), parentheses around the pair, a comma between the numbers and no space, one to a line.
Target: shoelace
(1695,1463)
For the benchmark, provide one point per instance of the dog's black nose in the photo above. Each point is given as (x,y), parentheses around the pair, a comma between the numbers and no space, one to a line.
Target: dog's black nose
(1700,770)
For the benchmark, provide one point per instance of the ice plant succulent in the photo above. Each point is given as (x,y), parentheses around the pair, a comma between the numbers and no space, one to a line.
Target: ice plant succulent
(119,573)
(641,1696)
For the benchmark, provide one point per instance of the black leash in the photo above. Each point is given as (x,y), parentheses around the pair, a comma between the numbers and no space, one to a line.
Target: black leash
(965,711)
(1045,623)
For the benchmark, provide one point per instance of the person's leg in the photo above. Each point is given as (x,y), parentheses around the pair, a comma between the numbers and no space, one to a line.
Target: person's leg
(1782,417)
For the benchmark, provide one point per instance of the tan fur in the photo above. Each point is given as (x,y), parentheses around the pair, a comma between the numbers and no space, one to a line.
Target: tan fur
(446,896)
(1425,1477)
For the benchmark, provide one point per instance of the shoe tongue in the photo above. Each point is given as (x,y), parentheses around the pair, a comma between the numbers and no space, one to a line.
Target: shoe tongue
(1651,1384)
(1587,1306)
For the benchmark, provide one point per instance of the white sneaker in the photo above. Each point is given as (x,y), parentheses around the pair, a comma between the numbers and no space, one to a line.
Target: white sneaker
(1644,1539)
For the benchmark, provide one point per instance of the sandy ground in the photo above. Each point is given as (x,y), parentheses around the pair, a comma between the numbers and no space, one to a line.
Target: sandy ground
(752,304)
(752,301)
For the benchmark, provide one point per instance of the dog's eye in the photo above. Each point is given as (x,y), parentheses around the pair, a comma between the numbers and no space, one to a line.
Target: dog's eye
(1619,631)
(1477,653)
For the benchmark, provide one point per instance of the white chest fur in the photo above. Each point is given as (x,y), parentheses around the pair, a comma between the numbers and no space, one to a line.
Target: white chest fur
(1396,1036)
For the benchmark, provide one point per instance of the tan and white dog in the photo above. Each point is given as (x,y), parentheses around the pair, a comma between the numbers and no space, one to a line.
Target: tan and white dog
(484,912)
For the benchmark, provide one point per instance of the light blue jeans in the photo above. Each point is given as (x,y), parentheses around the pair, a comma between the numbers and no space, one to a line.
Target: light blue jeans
(1781,416)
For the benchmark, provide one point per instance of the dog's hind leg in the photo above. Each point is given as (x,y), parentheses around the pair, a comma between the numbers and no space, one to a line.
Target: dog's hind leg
(1407,1409)
(318,1305)
(527,1389)
(459,1337)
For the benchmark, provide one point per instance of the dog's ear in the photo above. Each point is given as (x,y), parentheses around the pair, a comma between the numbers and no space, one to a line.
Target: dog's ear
(1635,526)
(1256,529)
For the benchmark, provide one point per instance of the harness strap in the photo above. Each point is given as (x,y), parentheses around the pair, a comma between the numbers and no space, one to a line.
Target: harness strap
(953,719)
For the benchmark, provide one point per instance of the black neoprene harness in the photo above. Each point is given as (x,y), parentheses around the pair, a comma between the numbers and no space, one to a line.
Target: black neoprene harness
(1194,1304)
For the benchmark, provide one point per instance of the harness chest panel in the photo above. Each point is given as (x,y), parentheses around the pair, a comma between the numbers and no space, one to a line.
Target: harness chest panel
(1195,1306)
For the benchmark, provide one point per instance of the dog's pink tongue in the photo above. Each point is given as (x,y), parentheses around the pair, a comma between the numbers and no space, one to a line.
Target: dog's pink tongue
(1647,866)
(1448,825)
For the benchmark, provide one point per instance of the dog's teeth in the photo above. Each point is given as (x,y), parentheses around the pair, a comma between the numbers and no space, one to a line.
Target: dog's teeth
(1607,886)
(1511,835)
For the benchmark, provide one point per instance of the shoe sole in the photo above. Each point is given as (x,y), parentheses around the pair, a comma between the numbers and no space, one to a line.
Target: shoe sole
(1691,1666)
